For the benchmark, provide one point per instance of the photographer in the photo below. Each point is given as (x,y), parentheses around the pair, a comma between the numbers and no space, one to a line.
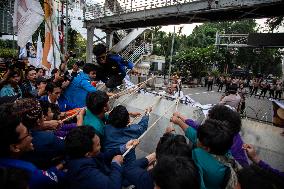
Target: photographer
(76,68)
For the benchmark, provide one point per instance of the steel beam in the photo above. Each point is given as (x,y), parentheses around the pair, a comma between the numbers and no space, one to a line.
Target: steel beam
(196,11)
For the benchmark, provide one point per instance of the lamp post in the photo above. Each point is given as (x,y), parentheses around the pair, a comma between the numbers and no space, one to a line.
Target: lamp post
(66,29)
(172,50)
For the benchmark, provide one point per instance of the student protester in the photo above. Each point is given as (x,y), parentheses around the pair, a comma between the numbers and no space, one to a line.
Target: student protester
(54,96)
(76,68)
(97,107)
(52,112)
(13,178)
(212,141)
(118,131)
(139,172)
(89,168)
(10,85)
(112,66)
(223,113)
(15,141)
(40,72)
(251,152)
(78,89)
(255,177)
(28,87)
(175,172)
(47,146)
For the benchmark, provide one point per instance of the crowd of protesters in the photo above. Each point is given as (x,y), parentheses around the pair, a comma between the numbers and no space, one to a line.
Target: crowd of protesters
(40,148)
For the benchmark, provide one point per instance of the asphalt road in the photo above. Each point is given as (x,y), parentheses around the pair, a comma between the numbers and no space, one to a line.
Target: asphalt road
(255,108)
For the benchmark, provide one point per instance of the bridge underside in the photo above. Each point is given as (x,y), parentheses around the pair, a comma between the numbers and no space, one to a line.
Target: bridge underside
(194,12)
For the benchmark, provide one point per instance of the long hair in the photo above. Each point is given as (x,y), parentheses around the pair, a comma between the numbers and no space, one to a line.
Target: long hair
(7,80)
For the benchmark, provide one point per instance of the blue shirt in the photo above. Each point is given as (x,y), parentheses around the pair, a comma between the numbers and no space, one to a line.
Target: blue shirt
(39,178)
(95,173)
(115,137)
(78,89)
(8,90)
(47,146)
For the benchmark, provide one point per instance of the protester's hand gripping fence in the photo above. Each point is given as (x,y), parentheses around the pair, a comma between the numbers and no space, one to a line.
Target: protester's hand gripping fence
(152,106)
(149,128)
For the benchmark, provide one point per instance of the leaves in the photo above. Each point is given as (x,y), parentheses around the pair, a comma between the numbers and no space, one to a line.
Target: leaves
(197,54)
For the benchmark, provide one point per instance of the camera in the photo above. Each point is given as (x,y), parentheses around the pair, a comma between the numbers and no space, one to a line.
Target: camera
(71,54)
(67,77)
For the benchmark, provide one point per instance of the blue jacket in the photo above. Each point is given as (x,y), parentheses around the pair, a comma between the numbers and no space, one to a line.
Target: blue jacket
(63,104)
(39,178)
(137,174)
(78,89)
(115,137)
(28,91)
(47,146)
(94,173)
(8,90)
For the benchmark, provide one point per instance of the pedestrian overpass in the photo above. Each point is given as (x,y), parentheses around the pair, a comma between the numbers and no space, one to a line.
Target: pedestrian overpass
(113,15)
(124,14)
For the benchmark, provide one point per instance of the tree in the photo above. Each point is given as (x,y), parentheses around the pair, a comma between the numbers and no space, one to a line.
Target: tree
(275,23)
(196,60)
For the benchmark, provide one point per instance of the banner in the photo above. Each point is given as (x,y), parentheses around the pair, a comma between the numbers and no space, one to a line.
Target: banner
(28,15)
(51,55)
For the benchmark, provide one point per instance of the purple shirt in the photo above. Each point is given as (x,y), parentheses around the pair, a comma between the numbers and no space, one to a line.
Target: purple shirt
(236,149)
(64,129)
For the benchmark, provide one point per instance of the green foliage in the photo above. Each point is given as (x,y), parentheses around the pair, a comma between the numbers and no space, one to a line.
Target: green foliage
(196,60)
(7,44)
(77,44)
(7,49)
(8,53)
(275,22)
(196,53)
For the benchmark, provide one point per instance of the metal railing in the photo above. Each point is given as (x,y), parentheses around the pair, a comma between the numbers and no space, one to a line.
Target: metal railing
(113,7)
(133,53)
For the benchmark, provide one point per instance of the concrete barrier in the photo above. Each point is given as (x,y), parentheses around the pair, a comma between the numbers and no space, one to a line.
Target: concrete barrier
(266,138)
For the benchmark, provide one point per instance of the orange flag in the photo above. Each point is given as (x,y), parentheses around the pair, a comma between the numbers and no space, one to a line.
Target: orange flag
(48,38)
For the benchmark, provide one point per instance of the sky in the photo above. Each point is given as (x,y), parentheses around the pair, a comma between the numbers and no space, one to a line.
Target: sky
(188,28)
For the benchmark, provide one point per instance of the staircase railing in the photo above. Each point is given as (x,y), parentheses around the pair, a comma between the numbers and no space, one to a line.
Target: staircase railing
(144,48)
(129,49)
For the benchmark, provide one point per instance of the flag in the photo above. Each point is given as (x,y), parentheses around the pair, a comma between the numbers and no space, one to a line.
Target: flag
(39,52)
(27,17)
(51,54)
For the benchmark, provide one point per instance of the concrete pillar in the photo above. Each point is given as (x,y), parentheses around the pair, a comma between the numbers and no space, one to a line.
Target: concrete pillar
(90,41)
(109,39)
